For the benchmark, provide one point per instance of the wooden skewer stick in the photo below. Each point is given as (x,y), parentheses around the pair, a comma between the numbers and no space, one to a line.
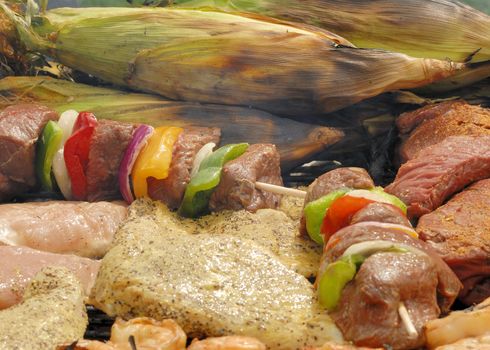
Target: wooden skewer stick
(407,321)
(280,190)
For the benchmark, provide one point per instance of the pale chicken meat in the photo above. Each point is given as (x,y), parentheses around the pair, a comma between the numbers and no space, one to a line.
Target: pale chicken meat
(52,313)
(269,228)
(18,265)
(212,285)
(80,228)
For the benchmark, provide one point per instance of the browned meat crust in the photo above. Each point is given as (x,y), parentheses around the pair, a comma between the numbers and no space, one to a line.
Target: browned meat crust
(460,232)
(457,118)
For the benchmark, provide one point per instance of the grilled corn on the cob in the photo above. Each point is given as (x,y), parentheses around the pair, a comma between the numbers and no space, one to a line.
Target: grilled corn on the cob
(222,58)
(420,28)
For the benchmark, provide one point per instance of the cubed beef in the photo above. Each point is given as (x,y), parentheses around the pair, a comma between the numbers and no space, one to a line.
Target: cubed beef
(381,212)
(107,148)
(236,190)
(439,171)
(356,178)
(460,232)
(190,141)
(460,119)
(20,127)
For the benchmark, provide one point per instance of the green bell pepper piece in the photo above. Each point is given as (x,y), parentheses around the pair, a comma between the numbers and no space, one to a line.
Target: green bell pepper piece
(334,279)
(223,155)
(47,145)
(201,187)
(315,212)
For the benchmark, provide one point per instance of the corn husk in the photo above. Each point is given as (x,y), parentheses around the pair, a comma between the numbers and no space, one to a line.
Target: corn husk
(421,28)
(221,58)
(296,142)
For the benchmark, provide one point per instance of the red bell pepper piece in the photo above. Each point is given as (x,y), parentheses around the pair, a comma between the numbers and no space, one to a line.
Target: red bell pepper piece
(340,213)
(76,152)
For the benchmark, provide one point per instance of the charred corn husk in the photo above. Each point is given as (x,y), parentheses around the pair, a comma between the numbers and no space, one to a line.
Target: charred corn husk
(222,58)
(296,142)
(421,28)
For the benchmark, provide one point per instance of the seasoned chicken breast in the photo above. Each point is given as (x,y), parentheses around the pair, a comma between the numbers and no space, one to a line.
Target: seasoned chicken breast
(18,265)
(272,229)
(51,313)
(212,285)
(80,228)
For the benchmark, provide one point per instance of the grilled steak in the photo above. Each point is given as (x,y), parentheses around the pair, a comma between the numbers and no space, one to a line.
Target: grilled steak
(458,118)
(460,232)
(410,120)
(356,178)
(20,127)
(236,190)
(424,183)
(423,282)
(171,190)
(109,142)
(381,212)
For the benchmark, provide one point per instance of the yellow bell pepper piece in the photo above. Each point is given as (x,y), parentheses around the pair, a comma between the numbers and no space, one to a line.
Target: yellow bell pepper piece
(154,159)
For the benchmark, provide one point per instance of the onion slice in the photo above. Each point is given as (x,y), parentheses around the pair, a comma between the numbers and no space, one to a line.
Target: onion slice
(405,229)
(138,142)
(368,248)
(65,122)
(202,154)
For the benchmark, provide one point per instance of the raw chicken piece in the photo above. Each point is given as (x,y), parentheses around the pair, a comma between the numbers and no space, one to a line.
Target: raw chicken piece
(51,313)
(80,228)
(212,285)
(18,265)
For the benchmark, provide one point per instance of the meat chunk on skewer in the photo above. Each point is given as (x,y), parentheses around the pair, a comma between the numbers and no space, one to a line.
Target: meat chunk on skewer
(236,190)
(107,147)
(190,141)
(20,127)
(381,212)
(356,178)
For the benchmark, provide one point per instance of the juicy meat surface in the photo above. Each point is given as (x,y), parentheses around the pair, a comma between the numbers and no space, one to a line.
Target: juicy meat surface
(80,228)
(51,313)
(357,178)
(381,212)
(439,171)
(210,284)
(448,286)
(20,127)
(367,312)
(190,141)
(460,232)
(460,119)
(410,120)
(236,190)
(107,148)
(19,265)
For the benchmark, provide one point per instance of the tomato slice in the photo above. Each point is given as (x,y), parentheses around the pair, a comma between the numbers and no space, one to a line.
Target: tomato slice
(340,213)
